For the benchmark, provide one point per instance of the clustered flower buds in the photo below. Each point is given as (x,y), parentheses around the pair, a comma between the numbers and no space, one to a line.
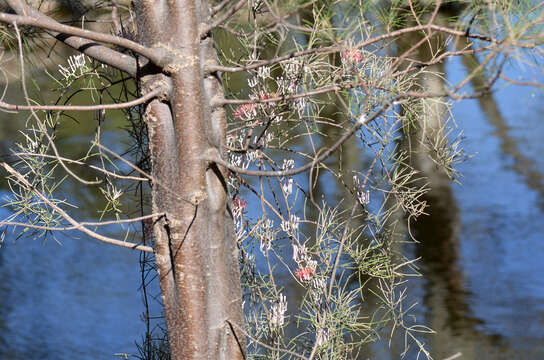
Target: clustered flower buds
(306,266)
(246,112)
(363,195)
(352,56)
(276,316)
(305,274)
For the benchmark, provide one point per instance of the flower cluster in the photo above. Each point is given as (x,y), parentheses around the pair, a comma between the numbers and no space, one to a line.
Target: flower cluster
(266,234)
(276,316)
(362,195)
(246,112)
(238,207)
(323,337)
(306,273)
(291,226)
(288,187)
(306,266)
(352,56)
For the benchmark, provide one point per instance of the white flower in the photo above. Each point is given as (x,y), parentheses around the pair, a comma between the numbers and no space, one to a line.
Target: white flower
(294,220)
(291,226)
(75,63)
(362,119)
(267,235)
(276,317)
(318,283)
(252,82)
(263,72)
(300,104)
(323,337)
(362,195)
(288,187)
(300,253)
(288,164)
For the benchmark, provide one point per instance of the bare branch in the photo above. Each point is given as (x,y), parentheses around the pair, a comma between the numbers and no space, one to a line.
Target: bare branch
(222,19)
(77,225)
(138,101)
(101,53)
(158,56)
(83,223)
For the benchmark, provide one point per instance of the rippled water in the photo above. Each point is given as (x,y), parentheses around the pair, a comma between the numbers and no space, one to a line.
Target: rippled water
(482,254)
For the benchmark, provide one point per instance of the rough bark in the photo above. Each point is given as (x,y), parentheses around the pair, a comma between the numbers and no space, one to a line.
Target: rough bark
(195,246)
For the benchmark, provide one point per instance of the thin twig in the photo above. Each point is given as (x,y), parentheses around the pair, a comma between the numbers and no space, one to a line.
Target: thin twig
(335,49)
(83,223)
(454,356)
(38,121)
(266,345)
(123,105)
(325,154)
(77,225)
(157,55)
(81,163)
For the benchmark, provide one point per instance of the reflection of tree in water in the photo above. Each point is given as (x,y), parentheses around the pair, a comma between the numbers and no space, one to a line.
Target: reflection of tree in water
(523,165)
(446,298)
(437,232)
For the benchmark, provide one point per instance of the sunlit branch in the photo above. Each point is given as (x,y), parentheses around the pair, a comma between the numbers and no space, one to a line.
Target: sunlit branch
(223,18)
(336,49)
(321,90)
(157,55)
(77,226)
(117,106)
(521,83)
(93,50)
(325,154)
(83,223)
(219,7)
(81,163)
(478,69)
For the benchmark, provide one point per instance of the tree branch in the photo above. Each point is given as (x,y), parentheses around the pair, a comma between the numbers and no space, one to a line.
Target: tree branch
(77,225)
(360,122)
(83,223)
(96,51)
(138,101)
(335,49)
(222,19)
(158,56)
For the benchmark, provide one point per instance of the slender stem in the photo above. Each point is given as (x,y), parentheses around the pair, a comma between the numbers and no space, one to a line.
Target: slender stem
(77,225)
(138,101)
(83,223)
(317,160)
(157,55)
(335,49)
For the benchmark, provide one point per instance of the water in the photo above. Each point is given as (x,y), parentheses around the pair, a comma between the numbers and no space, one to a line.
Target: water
(78,300)
(481,255)
(482,259)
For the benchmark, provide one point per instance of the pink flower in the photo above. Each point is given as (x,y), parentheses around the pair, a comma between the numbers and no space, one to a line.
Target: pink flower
(354,56)
(239,203)
(246,112)
(305,273)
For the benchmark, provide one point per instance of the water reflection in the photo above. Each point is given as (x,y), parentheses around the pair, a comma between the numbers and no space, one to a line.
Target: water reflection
(481,249)
(77,299)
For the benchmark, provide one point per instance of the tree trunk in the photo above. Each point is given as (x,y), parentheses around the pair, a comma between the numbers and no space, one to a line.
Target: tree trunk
(195,245)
